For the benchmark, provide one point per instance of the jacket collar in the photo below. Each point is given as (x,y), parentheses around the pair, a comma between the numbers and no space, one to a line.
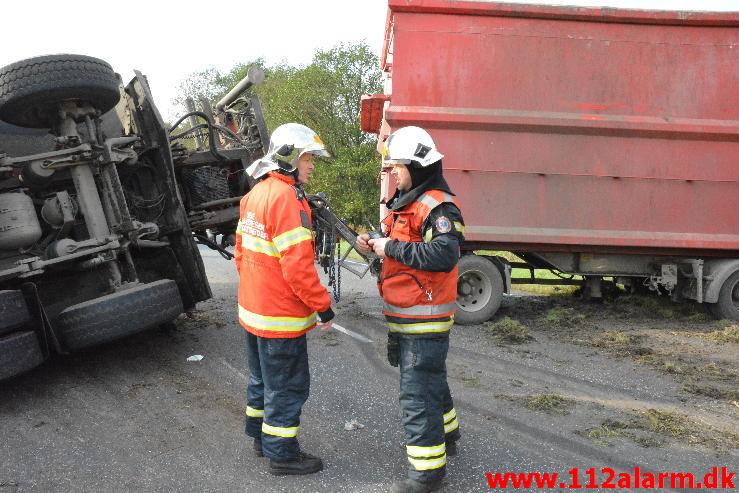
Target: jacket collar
(401,199)
(290,180)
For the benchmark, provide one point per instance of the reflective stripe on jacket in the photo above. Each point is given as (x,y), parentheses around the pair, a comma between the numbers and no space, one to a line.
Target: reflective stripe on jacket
(279,288)
(411,293)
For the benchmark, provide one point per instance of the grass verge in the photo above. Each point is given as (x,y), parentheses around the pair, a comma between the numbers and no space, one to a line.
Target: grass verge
(540,289)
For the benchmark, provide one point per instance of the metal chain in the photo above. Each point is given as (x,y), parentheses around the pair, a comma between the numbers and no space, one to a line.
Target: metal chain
(328,255)
(337,288)
(334,272)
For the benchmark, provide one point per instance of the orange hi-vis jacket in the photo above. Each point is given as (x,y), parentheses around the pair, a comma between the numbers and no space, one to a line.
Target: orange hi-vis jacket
(279,288)
(411,293)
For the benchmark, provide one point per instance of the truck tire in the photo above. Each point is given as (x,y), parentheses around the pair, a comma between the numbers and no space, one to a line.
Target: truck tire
(119,314)
(727,306)
(479,290)
(31,89)
(13,311)
(19,352)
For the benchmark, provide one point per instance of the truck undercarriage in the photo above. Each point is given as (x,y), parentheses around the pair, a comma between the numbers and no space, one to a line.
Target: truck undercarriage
(101,208)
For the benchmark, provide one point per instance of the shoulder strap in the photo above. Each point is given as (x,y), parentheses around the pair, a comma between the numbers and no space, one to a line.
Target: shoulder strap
(434,198)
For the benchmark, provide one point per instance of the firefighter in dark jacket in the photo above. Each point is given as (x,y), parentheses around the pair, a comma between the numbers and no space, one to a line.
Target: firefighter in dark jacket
(418,284)
(280,296)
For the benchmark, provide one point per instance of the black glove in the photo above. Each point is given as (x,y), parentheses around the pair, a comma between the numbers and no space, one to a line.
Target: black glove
(326,316)
(393,350)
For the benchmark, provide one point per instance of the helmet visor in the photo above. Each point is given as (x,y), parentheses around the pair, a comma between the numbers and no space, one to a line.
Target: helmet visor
(391,162)
(317,148)
(318,152)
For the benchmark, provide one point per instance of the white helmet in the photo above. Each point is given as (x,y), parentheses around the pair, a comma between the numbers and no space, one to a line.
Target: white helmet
(410,145)
(287,144)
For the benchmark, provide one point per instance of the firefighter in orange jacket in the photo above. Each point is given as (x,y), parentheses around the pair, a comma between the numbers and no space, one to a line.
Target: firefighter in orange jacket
(280,296)
(418,284)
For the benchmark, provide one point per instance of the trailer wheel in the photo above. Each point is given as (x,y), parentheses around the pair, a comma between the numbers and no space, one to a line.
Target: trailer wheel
(19,352)
(13,311)
(479,290)
(727,306)
(119,314)
(32,89)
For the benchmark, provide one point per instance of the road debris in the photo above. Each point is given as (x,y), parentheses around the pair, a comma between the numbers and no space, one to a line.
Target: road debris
(353,425)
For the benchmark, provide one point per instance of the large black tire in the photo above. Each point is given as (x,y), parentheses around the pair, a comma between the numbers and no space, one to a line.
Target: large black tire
(479,290)
(19,352)
(13,311)
(31,89)
(119,314)
(727,306)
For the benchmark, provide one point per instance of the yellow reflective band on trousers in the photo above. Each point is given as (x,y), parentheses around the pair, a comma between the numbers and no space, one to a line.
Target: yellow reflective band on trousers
(279,431)
(292,237)
(421,327)
(419,310)
(426,464)
(450,416)
(416,451)
(276,324)
(259,245)
(254,413)
(451,425)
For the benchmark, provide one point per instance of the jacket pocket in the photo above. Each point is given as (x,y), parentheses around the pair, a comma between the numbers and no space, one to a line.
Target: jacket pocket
(404,289)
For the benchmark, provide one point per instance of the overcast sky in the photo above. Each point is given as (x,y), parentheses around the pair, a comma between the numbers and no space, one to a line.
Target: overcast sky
(167,41)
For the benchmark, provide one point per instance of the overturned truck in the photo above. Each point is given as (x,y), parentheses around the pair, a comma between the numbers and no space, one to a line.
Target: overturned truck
(101,208)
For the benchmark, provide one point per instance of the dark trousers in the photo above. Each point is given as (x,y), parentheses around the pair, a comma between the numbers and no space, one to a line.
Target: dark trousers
(429,418)
(279,385)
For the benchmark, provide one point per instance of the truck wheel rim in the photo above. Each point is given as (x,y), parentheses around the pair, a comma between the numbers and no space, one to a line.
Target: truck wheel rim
(474,290)
(735,295)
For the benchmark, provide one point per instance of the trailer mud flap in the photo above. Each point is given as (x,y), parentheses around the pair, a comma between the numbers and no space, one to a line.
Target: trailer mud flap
(42,325)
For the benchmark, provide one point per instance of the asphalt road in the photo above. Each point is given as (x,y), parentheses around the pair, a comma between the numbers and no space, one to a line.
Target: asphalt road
(135,415)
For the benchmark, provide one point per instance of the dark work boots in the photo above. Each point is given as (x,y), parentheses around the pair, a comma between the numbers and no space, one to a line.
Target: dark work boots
(304,464)
(411,486)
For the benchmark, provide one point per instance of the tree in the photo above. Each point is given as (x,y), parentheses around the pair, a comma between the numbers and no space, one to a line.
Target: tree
(206,84)
(324,95)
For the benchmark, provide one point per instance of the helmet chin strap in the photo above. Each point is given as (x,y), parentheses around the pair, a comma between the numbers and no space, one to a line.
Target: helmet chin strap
(285,168)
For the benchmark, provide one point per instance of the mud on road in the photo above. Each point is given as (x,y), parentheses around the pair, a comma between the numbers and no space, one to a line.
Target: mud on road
(694,358)
(550,384)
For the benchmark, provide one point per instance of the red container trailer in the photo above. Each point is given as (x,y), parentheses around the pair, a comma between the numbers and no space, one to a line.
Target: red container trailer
(591,141)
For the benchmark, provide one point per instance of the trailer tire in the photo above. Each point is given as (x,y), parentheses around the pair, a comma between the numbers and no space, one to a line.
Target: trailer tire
(13,311)
(119,314)
(19,352)
(32,89)
(479,290)
(727,306)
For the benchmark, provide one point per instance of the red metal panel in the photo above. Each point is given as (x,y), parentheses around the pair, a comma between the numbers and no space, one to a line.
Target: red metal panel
(371,116)
(599,14)
(576,126)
